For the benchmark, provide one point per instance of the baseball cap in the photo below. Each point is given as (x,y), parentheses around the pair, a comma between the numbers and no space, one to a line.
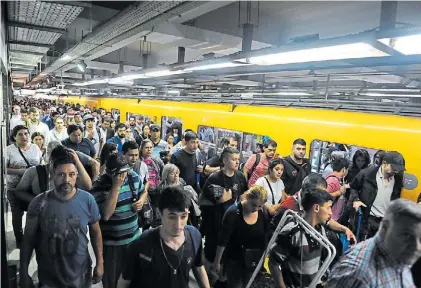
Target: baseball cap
(155,127)
(88,117)
(395,159)
(117,163)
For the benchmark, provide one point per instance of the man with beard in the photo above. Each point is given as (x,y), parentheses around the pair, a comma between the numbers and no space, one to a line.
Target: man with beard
(92,132)
(374,188)
(257,165)
(35,125)
(135,130)
(120,138)
(386,259)
(56,227)
(296,167)
(77,142)
(159,145)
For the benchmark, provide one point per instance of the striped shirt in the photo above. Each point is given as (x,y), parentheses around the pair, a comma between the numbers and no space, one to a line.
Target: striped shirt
(297,255)
(122,227)
(368,265)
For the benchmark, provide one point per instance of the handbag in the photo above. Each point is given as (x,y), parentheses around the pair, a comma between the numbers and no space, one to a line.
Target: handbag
(251,257)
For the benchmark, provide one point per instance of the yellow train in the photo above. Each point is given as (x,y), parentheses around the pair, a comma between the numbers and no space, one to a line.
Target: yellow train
(284,125)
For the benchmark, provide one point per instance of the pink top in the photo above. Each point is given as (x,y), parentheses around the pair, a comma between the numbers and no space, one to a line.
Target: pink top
(333,185)
(261,168)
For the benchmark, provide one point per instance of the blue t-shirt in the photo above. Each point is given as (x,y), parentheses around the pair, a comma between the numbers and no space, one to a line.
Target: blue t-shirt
(62,242)
(117,141)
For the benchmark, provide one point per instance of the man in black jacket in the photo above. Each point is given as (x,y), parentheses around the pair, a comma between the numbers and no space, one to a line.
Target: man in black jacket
(374,188)
(296,167)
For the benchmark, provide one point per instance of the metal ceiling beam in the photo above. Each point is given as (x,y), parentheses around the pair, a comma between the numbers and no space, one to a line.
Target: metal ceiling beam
(72,3)
(36,27)
(26,52)
(30,44)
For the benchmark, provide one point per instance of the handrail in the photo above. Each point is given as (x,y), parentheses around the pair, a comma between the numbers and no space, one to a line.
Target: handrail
(323,241)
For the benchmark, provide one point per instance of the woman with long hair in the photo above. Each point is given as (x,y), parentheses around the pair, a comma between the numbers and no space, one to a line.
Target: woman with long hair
(108,149)
(244,236)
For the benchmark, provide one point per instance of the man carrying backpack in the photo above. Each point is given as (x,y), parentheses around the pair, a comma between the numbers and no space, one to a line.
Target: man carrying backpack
(257,165)
(165,255)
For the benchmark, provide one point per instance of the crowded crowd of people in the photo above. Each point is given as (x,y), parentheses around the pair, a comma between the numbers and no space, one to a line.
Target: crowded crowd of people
(155,211)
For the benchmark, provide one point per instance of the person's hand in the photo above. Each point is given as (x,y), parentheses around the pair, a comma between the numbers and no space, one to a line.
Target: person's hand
(75,157)
(350,236)
(217,267)
(226,196)
(199,168)
(138,204)
(90,135)
(342,190)
(119,179)
(358,204)
(98,273)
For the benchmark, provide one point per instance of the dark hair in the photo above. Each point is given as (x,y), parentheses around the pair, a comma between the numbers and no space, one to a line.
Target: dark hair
(15,131)
(185,132)
(106,119)
(270,142)
(33,110)
(361,153)
(190,135)
(380,154)
(339,164)
(223,142)
(314,196)
(36,134)
(228,151)
(299,141)
(129,145)
(72,128)
(174,198)
(106,152)
(313,180)
(275,162)
(120,125)
(61,155)
(144,142)
(23,110)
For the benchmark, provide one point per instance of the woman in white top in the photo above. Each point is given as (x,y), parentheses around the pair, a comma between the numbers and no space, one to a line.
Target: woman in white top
(274,186)
(21,155)
(59,132)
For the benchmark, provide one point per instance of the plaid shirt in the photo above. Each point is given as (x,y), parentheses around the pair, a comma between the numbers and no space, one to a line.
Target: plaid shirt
(369,265)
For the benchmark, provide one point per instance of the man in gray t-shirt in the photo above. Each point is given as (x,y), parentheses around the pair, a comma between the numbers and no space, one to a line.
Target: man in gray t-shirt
(56,227)
(29,186)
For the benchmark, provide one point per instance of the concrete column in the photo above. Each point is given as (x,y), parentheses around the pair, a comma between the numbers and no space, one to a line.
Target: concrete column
(181,54)
(388,15)
(145,61)
(121,67)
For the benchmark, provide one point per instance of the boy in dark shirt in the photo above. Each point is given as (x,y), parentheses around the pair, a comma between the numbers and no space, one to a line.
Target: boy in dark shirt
(164,256)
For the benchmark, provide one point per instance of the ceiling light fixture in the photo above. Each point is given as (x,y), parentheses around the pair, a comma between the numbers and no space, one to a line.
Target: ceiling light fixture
(82,66)
(217,66)
(336,52)
(162,73)
(408,45)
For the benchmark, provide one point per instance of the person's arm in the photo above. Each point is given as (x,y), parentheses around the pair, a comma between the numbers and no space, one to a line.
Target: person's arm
(335,226)
(356,186)
(96,240)
(132,262)
(16,171)
(209,170)
(201,276)
(84,181)
(108,206)
(248,166)
(29,240)
(92,150)
(331,186)
(95,167)
(227,227)
(25,185)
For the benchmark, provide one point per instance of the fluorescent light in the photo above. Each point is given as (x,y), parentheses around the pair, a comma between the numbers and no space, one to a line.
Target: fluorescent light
(81,65)
(130,77)
(92,82)
(337,52)
(217,66)
(117,81)
(173,92)
(162,73)
(408,45)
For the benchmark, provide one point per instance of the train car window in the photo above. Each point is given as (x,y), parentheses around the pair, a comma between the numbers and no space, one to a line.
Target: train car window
(171,126)
(251,144)
(207,139)
(323,152)
(146,119)
(116,114)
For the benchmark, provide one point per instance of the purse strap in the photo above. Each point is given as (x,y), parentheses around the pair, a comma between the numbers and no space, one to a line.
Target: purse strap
(271,191)
(24,158)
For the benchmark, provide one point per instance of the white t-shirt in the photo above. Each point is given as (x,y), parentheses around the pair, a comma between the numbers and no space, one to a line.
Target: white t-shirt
(15,160)
(15,120)
(277,189)
(41,128)
(54,135)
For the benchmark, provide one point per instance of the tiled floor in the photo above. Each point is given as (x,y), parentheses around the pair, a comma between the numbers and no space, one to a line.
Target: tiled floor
(13,253)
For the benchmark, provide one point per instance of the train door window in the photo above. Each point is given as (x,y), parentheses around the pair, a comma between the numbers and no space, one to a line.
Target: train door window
(207,140)
(116,114)
(323,152)
(252,144)
(171,126)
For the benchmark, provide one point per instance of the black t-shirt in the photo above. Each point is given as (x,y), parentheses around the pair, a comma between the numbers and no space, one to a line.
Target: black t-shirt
(294,174)
(212,215)
(145,264)
(187,164)
(215,161)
